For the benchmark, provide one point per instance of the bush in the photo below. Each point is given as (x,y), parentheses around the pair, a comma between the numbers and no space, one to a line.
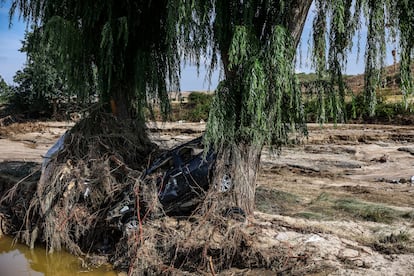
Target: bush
(385,112)
(198,106)
(4,91)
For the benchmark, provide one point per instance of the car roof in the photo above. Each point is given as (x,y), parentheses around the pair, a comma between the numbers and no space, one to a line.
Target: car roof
(160,160)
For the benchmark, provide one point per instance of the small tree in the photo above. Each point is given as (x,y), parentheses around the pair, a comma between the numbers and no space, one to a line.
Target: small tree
(40,86)
(4,90)
(198,106)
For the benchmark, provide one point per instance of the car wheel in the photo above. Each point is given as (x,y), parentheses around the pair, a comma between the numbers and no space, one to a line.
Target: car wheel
(226,183)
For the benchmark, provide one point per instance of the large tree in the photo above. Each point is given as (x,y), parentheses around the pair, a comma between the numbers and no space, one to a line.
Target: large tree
(258,102)
(137,46)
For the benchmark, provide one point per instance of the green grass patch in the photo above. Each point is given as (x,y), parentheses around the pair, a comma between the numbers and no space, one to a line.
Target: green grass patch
(327,207)
(275,202)
(322,197)
(310,215)
(367,211)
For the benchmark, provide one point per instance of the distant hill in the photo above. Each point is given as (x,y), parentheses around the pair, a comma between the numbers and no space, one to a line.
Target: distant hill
(391,80)
(391,83)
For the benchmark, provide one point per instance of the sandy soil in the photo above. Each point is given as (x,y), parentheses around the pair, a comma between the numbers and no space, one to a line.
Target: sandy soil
(312,197)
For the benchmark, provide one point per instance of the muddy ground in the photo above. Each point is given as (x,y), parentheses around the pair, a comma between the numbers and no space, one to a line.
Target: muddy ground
(344,199)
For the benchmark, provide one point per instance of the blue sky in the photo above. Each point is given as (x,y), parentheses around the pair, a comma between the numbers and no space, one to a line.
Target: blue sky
(12,60)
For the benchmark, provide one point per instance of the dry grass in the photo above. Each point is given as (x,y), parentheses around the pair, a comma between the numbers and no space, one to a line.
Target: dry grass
(274,201)
(19,128)
(394,243)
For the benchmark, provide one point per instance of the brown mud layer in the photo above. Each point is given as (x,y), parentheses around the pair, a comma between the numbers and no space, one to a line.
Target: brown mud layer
(340,203)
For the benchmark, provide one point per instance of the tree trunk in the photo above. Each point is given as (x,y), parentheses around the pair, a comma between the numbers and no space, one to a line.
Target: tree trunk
(240,164)
(120,102)
(242,160)
(245,161)
(121,107)
(298,14)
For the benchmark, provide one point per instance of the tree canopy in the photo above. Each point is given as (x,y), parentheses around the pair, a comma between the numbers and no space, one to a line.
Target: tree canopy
(136,49)
(336,24)
(4,89)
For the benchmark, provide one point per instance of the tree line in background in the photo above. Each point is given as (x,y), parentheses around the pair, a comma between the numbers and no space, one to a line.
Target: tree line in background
(41,91)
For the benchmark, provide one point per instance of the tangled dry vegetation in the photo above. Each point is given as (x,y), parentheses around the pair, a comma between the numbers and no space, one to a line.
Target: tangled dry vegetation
(101,163)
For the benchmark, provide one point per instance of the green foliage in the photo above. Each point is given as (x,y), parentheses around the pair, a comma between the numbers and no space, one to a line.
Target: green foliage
(39,86)
(386,112)
(134,50)
(368,211)
(122,46)
(259,102)
(198,106)
(26,96)
(4,90)
(405,24)
(304,78)
(341,20)
(321,102)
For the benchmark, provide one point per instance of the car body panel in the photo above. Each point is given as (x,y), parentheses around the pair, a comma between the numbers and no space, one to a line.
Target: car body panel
(182,175)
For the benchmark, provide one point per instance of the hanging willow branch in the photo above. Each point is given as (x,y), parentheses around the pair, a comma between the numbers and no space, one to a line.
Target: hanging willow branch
(259,101)
(344,18)
(120,47)
(137,47)
(405,10)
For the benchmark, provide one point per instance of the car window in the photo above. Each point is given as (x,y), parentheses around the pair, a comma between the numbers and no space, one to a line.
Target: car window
(186,154)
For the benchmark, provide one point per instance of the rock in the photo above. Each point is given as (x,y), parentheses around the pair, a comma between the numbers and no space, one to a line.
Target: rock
(315,239)
(349,253)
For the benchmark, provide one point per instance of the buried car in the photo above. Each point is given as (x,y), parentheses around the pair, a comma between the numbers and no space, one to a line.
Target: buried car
(182,176)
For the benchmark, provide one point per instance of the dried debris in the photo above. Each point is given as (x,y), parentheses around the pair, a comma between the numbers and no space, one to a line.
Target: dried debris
(75,205)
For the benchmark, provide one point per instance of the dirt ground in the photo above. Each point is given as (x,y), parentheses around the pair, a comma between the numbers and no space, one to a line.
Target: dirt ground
(344,198)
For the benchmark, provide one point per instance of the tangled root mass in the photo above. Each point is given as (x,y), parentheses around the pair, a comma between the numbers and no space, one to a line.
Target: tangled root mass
(101,163)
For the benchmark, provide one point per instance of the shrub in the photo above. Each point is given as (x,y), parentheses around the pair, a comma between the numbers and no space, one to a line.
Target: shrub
(198,106)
